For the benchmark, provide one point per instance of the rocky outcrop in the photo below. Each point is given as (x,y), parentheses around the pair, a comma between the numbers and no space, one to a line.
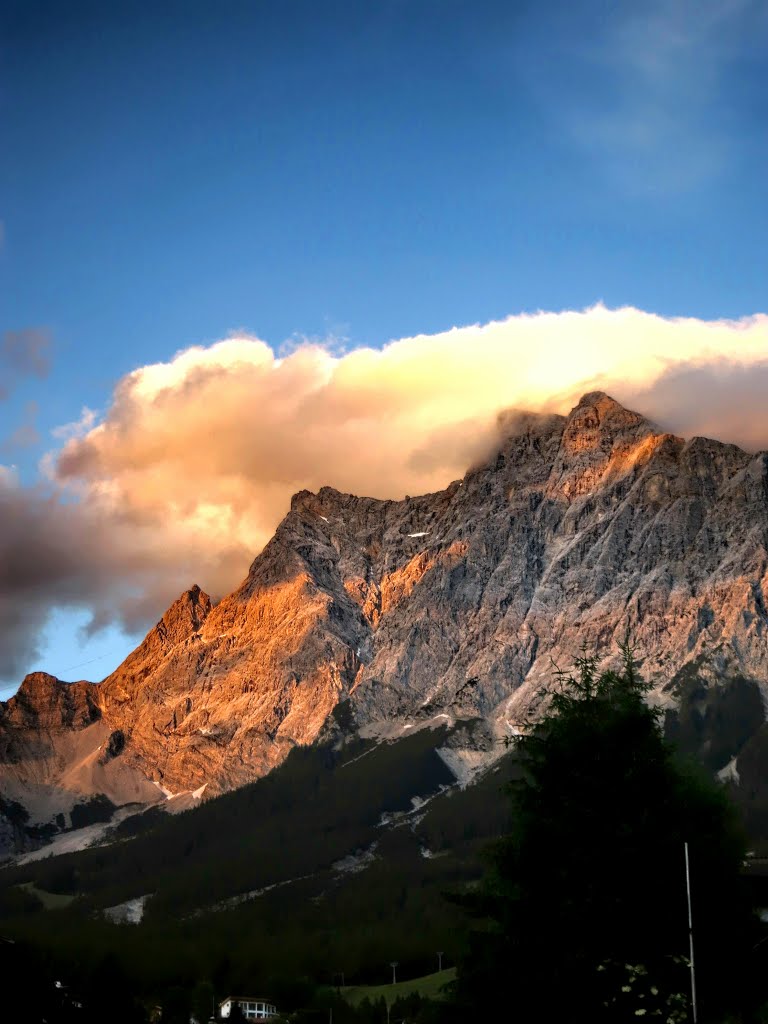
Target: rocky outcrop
(44,702)
(448,606)
(58,750)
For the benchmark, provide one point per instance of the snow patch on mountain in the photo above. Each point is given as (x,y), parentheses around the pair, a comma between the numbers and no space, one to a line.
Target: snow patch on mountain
(466,764)
(730,773)
(356,862)
(130,912)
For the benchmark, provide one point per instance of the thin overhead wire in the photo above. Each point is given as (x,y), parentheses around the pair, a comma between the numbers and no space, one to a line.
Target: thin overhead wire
(82,664)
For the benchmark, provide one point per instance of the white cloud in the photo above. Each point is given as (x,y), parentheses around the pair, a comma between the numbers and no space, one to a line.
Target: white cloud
(78,428)
(215,440)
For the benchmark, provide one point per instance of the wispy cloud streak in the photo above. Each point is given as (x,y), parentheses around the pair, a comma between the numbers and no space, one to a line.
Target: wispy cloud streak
(649,91)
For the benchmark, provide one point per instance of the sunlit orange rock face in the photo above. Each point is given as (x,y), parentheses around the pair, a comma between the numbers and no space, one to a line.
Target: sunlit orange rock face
(457,603)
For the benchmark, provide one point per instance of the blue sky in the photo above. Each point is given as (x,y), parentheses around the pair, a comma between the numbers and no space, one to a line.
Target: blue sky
(357,172)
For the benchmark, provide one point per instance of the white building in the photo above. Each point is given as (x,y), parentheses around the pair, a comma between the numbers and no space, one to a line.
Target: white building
(251,1008)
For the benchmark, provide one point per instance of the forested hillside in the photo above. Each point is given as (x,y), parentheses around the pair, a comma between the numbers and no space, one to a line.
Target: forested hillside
(330,864)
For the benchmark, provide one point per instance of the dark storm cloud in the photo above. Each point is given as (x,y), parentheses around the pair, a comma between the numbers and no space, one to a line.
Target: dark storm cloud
(56,553)
(45,559)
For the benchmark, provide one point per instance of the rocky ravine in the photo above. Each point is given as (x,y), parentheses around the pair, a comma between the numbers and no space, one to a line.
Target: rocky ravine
(450,605)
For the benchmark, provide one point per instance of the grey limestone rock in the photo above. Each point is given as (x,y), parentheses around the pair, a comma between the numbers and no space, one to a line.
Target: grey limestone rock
(451,606)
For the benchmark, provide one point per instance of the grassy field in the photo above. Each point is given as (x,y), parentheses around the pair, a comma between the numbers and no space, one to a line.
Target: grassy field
(430,986)
(50,900)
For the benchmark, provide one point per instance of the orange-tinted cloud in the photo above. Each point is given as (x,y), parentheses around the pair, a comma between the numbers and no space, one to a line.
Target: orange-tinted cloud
(194,462)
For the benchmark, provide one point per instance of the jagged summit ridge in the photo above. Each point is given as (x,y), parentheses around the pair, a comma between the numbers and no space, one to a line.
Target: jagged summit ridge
(454,604)
(181,621)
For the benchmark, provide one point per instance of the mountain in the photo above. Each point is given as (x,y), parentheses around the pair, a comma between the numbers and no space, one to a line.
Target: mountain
(375,618)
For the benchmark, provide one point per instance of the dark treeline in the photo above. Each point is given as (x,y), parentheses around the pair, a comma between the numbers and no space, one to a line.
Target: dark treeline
(293,938)
(581,903)
(305,815)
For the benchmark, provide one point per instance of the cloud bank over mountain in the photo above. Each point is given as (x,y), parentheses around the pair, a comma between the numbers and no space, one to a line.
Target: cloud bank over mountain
(193,464)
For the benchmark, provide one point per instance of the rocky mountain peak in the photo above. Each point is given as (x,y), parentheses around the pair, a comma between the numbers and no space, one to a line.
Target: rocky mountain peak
(600,440)
(45,702)
(600,421)
(182,620)
(327,498)
(185,616)
(303,500)
(454,605)
(36,684)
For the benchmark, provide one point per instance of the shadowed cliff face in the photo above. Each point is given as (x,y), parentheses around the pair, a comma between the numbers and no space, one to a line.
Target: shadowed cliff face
(452,604)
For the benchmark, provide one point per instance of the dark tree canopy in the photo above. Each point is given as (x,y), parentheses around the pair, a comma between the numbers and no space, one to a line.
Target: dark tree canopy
(583,915)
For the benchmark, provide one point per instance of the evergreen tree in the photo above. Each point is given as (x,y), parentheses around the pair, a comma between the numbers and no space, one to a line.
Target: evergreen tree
(108,995)
(176,1006)
(203,1001)
(583,915)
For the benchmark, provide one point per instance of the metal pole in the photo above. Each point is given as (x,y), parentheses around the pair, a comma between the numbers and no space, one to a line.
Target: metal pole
(439,962)
(690,935)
